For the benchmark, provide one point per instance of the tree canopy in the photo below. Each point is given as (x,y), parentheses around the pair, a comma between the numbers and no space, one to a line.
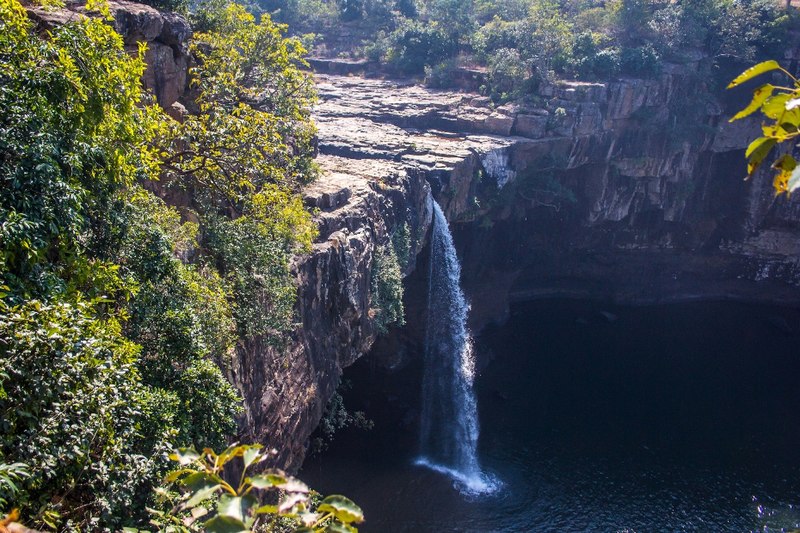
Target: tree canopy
(119,311)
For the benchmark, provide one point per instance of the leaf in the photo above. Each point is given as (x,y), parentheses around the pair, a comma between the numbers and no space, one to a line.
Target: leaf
(200,495)
(754,145)
(251,455)
(225,524)
(238,507)
(234,450)
(786,163)
(290,501)
(775,106)
(184,456)
(266,481)
(338,527)
(308,518)
(267,509)
(200,480)
(343,508)
(173,476)
(201,487)
(760,95)
(757,151)
(291,484)
(754,71)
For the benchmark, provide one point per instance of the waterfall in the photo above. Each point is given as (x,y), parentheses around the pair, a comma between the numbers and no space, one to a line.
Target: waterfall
(449,420)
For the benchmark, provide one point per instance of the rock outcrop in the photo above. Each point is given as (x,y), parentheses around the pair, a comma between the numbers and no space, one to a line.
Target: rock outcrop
(165,34)
(629,190)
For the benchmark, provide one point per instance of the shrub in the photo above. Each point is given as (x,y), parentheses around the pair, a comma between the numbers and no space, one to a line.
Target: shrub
(386,294)
(508,76)
(415,44)
(440,76)
(640,61)
(74,407)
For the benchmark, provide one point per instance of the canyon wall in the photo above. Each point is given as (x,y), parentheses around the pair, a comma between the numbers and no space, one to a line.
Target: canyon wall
(630,190)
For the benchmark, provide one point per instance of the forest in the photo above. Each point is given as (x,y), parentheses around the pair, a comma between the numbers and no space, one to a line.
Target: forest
(523,43)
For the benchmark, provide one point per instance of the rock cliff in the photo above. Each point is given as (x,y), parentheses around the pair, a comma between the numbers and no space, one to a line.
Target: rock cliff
(630,190)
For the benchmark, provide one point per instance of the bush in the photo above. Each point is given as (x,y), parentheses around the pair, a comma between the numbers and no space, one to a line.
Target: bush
(495,35)
(508,76)
(74,407)
(416,44)
(640,61)
(386,294)
(113,307)
(441,75)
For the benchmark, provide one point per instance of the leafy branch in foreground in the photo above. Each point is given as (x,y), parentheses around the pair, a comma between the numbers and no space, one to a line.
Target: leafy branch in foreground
(782,106)
(240,505)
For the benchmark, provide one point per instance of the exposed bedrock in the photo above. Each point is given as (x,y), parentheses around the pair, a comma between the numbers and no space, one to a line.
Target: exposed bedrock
(630,190)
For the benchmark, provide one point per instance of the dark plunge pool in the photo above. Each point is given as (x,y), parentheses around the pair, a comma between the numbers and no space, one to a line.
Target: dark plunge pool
(682,417)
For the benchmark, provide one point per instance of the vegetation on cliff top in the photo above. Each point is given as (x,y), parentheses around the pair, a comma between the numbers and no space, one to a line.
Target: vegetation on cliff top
(118,310)
(521,43)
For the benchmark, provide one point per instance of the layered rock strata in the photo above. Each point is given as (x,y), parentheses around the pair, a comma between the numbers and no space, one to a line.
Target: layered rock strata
(630,190)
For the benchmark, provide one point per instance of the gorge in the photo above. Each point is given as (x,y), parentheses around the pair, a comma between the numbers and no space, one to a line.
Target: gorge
(604,204)
(565,222)
(605,190)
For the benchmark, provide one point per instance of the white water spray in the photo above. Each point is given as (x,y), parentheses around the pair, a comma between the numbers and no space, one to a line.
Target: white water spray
(449,420)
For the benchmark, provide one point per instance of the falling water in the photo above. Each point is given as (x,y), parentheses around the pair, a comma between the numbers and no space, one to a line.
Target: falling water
(449,421)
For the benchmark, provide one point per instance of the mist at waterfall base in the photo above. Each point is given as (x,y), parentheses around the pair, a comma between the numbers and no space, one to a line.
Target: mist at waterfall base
(678,417)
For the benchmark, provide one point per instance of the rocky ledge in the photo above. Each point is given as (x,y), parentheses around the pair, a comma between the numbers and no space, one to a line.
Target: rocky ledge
(629,190)
(602,191)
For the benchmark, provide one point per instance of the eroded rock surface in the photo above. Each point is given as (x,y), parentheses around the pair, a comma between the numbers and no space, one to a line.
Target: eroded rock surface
(165,34)
(603,190)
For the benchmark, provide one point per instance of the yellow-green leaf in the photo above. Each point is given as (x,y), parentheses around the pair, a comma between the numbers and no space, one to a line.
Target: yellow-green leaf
(775,106)
(753,146)
(757,151)
(754,71)
(786,163)
(342,508)
(760,95)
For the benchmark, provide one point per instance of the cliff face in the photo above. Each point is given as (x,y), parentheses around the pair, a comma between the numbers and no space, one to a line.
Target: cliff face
(630,190)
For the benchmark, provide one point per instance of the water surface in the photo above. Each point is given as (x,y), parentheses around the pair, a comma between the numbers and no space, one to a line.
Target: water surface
(596,418)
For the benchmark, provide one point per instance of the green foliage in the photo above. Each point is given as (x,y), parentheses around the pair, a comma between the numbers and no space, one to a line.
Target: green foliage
(74,407)
(11,477)
(117,310)
(256,267)
(440,76)
(386,289)
(68,127)
(583,39)
(337,417)
(252,127)
(245,153)
(179,6)
(414,44)
(401,242)
(781,105)
(210,503)
(508,76)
